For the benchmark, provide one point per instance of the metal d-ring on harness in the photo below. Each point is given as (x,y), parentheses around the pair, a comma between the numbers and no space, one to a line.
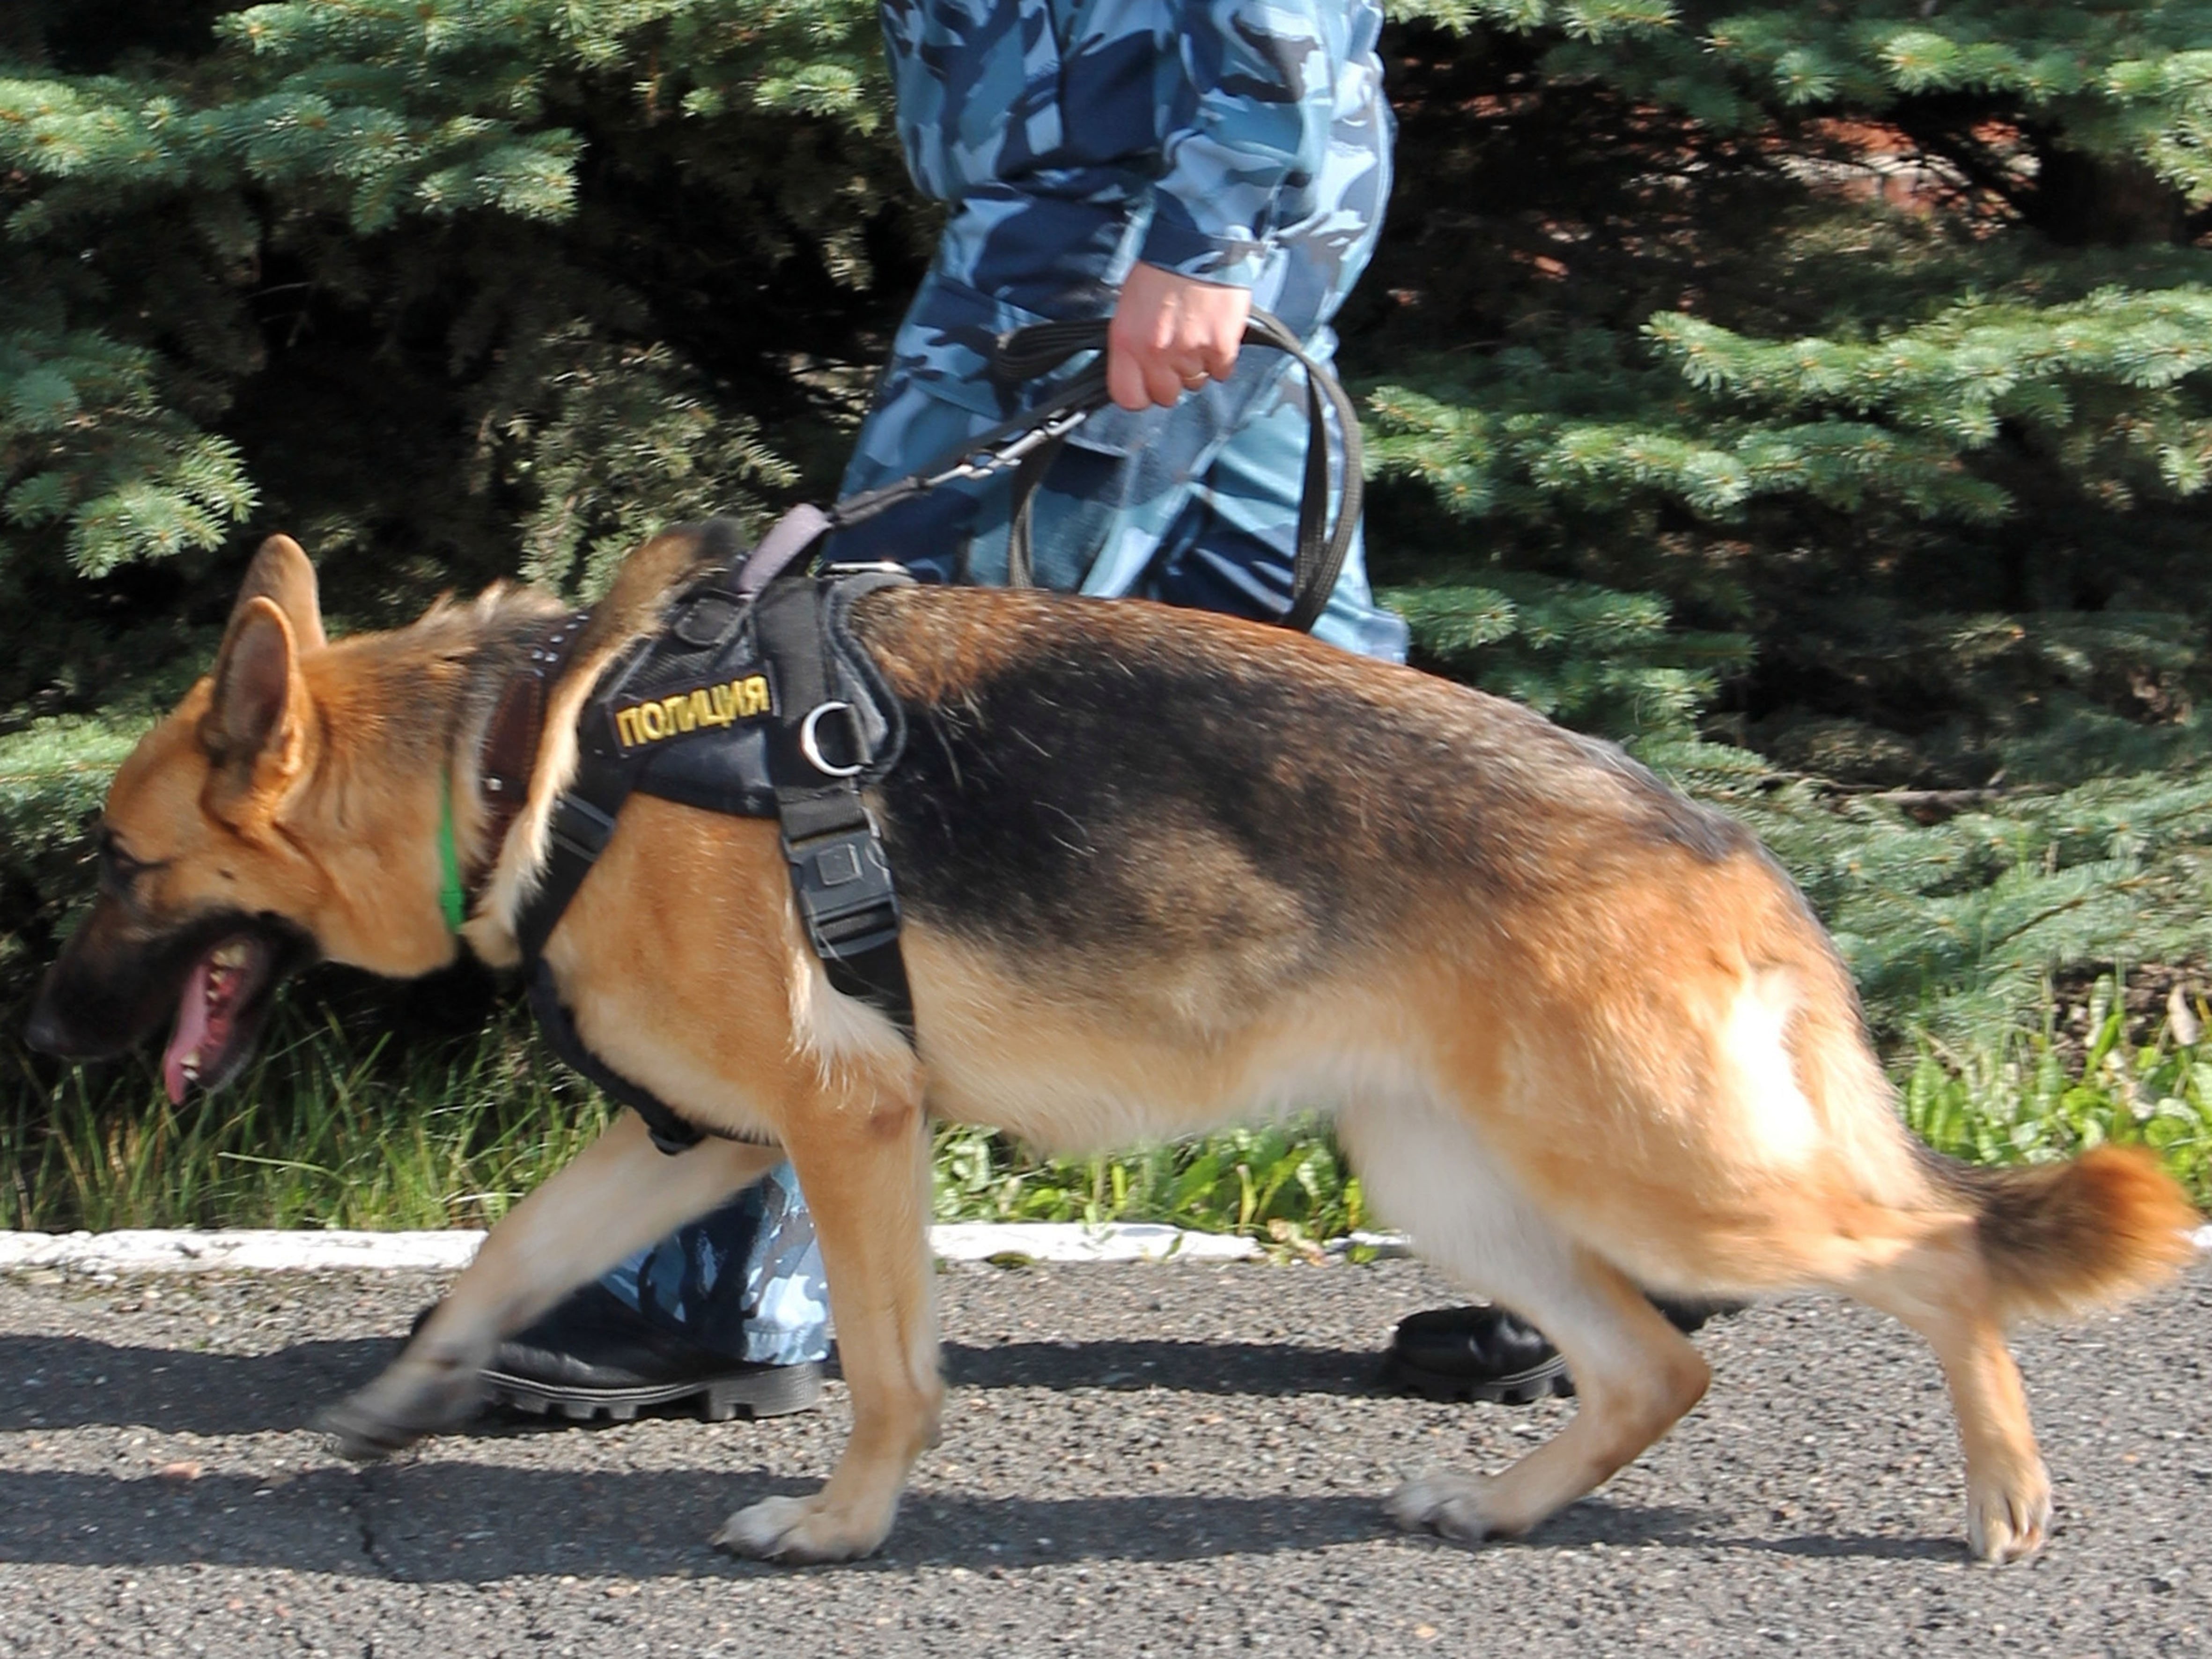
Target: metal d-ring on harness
(841,877)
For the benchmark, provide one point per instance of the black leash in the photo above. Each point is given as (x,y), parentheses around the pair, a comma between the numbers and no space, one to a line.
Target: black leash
(1025,353)
(1030,442)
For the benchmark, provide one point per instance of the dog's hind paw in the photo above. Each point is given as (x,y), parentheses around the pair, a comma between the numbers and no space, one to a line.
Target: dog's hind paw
(1453,1506)
(798,1531)
(2009,1523)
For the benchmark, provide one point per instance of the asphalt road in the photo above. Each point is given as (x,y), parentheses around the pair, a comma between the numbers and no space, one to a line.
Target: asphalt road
(1138,1459)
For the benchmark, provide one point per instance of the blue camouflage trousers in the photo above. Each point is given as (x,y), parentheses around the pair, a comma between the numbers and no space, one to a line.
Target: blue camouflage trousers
(1195,505)
(745,1280)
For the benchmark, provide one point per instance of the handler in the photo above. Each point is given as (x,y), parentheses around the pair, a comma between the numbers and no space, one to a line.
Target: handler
(1173,164)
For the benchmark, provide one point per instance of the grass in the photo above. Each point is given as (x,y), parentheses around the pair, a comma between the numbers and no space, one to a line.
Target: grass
(2034,1096)
(1286,1183)
(333,1129)
(322,1131)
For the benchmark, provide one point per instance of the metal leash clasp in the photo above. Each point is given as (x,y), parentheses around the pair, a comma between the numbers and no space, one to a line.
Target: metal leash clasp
(998,458)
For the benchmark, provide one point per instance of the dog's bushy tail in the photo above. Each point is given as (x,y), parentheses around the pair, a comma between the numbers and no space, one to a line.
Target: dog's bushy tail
(2056,1240)
(2060,1239)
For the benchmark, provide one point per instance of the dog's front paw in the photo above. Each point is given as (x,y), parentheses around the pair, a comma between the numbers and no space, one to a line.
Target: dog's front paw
(361,1437)
(798,1531)
(2009,1520)
(1454,1506)
(411,1399)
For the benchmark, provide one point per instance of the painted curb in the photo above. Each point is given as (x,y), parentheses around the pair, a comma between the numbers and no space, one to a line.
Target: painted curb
(303,1251)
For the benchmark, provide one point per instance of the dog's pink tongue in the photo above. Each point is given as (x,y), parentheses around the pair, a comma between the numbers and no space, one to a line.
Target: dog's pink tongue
(190,1033)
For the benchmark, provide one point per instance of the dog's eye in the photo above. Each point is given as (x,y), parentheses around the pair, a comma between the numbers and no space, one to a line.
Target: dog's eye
(117,869)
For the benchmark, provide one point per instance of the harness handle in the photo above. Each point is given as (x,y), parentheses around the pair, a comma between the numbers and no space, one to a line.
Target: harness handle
(1025,353)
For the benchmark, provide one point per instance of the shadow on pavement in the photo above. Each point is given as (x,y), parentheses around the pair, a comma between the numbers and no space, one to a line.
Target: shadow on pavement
(1261,1368)
(74,1381)
(440,1520)
(453,1522)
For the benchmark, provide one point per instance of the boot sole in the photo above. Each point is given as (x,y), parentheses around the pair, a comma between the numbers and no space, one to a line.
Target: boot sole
(776,1391)
(1520,1389)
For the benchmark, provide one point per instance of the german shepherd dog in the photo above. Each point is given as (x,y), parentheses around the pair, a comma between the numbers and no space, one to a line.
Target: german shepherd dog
(1160,871)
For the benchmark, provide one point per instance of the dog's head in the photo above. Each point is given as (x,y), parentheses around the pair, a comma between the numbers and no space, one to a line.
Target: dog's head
(239,842)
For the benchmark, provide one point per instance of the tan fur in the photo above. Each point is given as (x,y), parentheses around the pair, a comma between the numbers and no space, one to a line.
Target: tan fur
(1632,1060)
(2061,1238)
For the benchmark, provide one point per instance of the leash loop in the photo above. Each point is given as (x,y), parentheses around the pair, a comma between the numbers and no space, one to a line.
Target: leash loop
(1029,443)
(1025,353)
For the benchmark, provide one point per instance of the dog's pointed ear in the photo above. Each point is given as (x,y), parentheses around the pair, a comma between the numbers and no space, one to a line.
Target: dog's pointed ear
(280,573)
(254,722)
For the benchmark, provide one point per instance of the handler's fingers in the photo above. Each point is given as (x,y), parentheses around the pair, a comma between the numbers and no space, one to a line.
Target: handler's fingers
(1169,332)
(1139,377)
(1225,332)
(1124,379)
(1166,379)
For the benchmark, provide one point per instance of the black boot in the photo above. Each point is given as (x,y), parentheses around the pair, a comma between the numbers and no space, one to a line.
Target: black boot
(1478,1353)
(594,1355)
(1484,1352)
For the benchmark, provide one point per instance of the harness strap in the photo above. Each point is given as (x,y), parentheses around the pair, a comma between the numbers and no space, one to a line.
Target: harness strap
(671,1132)
(583,822)
(839,875)
(787,538)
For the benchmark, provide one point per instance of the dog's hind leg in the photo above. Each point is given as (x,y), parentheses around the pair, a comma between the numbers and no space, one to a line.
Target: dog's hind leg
(1635,1375)
(1941,1288)
(620,1193)
(864,1167)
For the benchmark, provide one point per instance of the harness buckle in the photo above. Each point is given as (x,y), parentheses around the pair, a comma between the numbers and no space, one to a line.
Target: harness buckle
(578,828)
(844,890)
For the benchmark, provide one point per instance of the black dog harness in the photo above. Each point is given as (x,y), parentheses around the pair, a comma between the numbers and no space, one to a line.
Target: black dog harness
(755,700)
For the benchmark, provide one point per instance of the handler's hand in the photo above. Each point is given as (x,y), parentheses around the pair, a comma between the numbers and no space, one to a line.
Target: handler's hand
(1170,334)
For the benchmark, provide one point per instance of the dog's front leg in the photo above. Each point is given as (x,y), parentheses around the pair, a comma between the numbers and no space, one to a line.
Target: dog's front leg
(619,1194)
(865,1169)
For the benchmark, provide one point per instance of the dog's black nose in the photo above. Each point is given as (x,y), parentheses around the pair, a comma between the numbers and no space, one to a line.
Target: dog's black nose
(46,1033)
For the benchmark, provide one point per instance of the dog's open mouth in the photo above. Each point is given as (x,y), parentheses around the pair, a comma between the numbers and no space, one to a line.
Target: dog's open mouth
(218,1015)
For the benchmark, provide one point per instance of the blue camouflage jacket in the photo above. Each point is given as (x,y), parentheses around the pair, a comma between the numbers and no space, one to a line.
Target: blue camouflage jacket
(1246,143)
(1217,120)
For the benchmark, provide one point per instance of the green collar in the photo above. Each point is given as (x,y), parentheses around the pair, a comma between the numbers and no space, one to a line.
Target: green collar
(451,896)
